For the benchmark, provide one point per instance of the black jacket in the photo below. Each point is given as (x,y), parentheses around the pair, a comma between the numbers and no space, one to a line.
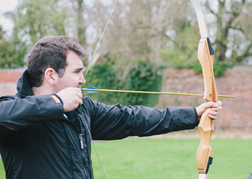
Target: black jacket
(39,141)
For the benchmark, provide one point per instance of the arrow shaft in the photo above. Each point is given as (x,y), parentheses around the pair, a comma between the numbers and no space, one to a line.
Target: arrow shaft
(151,92)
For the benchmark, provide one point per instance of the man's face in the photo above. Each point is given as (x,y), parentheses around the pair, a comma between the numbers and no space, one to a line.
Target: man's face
(73,76)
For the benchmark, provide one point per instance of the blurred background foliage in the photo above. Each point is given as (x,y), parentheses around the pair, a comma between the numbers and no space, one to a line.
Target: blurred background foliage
(143,38)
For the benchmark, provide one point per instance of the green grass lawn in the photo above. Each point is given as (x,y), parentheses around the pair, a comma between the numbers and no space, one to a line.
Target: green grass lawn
(143,158)
(2,173)
(171,159)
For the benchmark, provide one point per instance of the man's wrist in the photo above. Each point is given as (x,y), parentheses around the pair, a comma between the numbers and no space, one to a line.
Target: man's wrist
(57,99)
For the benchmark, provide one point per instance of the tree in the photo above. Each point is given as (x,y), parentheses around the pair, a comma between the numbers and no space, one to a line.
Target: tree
(12,51)
(32,21)
(139,31)
(233,35)
(36,19)
(80,12)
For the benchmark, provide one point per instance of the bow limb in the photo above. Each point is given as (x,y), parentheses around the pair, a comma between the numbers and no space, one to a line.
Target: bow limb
(205,55)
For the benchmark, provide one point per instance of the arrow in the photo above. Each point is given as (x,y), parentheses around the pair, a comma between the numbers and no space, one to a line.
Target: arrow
(96,90)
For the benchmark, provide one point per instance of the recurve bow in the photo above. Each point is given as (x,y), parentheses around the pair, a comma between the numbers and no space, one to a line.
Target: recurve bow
(205,55)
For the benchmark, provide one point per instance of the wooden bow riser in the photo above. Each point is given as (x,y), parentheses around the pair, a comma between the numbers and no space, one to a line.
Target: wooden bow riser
(204,153)
(206,61)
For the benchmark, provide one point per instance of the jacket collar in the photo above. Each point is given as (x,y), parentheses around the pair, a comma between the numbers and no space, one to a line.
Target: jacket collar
(23,85)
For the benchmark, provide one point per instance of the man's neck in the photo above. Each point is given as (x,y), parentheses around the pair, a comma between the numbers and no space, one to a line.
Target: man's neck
(42,90)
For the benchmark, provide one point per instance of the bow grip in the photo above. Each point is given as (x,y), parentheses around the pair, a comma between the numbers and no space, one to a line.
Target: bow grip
(204,153)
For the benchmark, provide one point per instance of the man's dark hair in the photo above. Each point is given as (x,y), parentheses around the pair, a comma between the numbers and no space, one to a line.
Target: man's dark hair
(51,52)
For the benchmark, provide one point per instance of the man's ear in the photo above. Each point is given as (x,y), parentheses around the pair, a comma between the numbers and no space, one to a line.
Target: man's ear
(51,76)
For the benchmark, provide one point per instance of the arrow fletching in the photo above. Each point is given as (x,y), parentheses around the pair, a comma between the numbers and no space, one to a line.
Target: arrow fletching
(92,90)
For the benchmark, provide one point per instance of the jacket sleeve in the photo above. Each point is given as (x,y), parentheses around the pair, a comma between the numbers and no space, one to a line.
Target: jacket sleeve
(17,113)
(118,121)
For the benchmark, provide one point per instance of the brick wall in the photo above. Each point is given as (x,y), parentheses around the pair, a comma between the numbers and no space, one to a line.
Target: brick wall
(236,113)
(8,80)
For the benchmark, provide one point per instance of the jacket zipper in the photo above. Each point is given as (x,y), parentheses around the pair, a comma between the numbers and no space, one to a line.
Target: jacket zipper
(80,135)
(81,141)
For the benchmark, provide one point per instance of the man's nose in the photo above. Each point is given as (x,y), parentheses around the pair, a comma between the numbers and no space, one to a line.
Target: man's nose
(82,79)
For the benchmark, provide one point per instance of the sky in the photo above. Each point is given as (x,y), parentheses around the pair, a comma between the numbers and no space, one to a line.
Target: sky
(7,5)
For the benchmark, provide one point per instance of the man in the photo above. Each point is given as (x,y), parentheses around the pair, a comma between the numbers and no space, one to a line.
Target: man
(44,129)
